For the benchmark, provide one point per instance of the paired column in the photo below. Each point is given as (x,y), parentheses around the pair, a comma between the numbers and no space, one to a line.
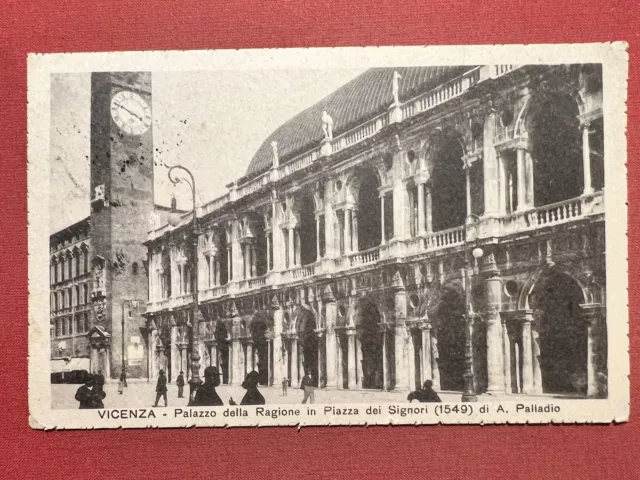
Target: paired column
(359,361)
(237,367)
(586,160)
(522,185)
(386,377)
(322,381)
(495,357)
(382,220)
(295,378)
(429,210)
(175,355)
(317,238)
(291,249)
(351,358)
(591,313)
(527,355)
(331,344)
(506,352)
(279,358)
(400,301)
(426,352)
(421,215)
(347,230)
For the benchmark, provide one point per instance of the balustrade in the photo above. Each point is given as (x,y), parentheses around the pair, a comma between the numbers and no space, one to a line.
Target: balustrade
(444,238)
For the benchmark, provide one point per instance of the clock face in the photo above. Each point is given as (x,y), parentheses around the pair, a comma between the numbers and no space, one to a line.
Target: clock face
(130,112)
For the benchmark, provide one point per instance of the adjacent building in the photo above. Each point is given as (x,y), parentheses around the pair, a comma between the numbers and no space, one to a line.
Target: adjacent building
(415,224)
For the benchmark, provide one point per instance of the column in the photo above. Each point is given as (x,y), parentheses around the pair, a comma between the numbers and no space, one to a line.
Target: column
(339,359)
(586,160)
(153,367)
(467,174)
(385,359)
(520,167)
(213,357)
(435,370)
(421,216)
(279,359)
(229,264)
(295,378)
(329,219)
(347,231)
(530,196)
(268,251)
(237,368)
(402,366)
(331,346)
(175,356)
(382,233)
(253,260)
(217,266)
(429,211)
(411,354)
(426,352)
(317,237)
(358,362)
(493,186)
(591,314)
(291,249)
(495,365)
(298,255)
(537,371)
(322,379)
(354,231)
(506,351)
(351,358)
(527,357)
(269,364)
(250,364)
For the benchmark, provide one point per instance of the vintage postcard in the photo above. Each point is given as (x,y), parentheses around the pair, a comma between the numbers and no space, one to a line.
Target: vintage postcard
(396,235)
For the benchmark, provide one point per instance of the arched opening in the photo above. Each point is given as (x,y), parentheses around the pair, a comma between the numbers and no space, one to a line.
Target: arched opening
(261,361)
(222,340)
(308,233)
(369,218)
(308,345)
(448,193)
(556,148)
(450,333)
(371,343)
(563,334)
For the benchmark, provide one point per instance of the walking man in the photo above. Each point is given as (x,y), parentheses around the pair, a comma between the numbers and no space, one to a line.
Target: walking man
(180,384)
(285,384)
(307,386)
(161,388)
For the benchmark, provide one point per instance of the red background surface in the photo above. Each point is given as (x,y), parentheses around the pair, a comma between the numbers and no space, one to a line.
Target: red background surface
(376,452)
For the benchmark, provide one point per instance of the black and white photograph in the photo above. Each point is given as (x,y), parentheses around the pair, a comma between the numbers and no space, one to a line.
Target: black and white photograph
(388,235)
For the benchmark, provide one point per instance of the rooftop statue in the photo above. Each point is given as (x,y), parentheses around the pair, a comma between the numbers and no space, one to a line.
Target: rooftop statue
(327,125)
(396,87)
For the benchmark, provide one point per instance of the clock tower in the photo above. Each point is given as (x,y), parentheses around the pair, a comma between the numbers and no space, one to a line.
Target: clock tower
(121,201)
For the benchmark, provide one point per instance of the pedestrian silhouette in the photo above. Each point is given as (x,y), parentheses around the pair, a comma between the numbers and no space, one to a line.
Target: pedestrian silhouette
(90,395)
(206,395)
(425,395)
(180,384)
(285,384)
(161,388)
(309,389)
(253,396)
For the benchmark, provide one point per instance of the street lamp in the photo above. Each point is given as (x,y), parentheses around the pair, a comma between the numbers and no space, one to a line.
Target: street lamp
(469,393)
(132,304)
(194,381)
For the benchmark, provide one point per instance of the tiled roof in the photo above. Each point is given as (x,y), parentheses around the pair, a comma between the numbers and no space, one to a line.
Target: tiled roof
(362,98)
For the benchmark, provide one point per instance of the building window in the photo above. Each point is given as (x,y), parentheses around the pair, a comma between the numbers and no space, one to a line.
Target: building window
(134,268)
(70,266)
(79,325)
(86,322)
(77,262)
(85,262)
(57,328)
(85,288)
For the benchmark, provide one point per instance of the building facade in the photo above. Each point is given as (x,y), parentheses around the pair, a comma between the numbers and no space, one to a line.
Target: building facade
(418,223)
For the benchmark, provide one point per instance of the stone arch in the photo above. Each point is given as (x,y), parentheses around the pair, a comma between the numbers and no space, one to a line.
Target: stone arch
(222,335)
(446,309)
(552,127)
(304,325)
(370,351)
(260,329)
(447,178)
(529,286)
(561,342)
(364,191)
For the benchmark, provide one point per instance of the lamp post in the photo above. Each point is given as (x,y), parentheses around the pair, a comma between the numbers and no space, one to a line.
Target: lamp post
(194,381)
(469,394)
(132,304)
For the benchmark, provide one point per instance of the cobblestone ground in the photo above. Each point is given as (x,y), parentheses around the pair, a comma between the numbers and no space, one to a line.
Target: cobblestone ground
(142,394)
